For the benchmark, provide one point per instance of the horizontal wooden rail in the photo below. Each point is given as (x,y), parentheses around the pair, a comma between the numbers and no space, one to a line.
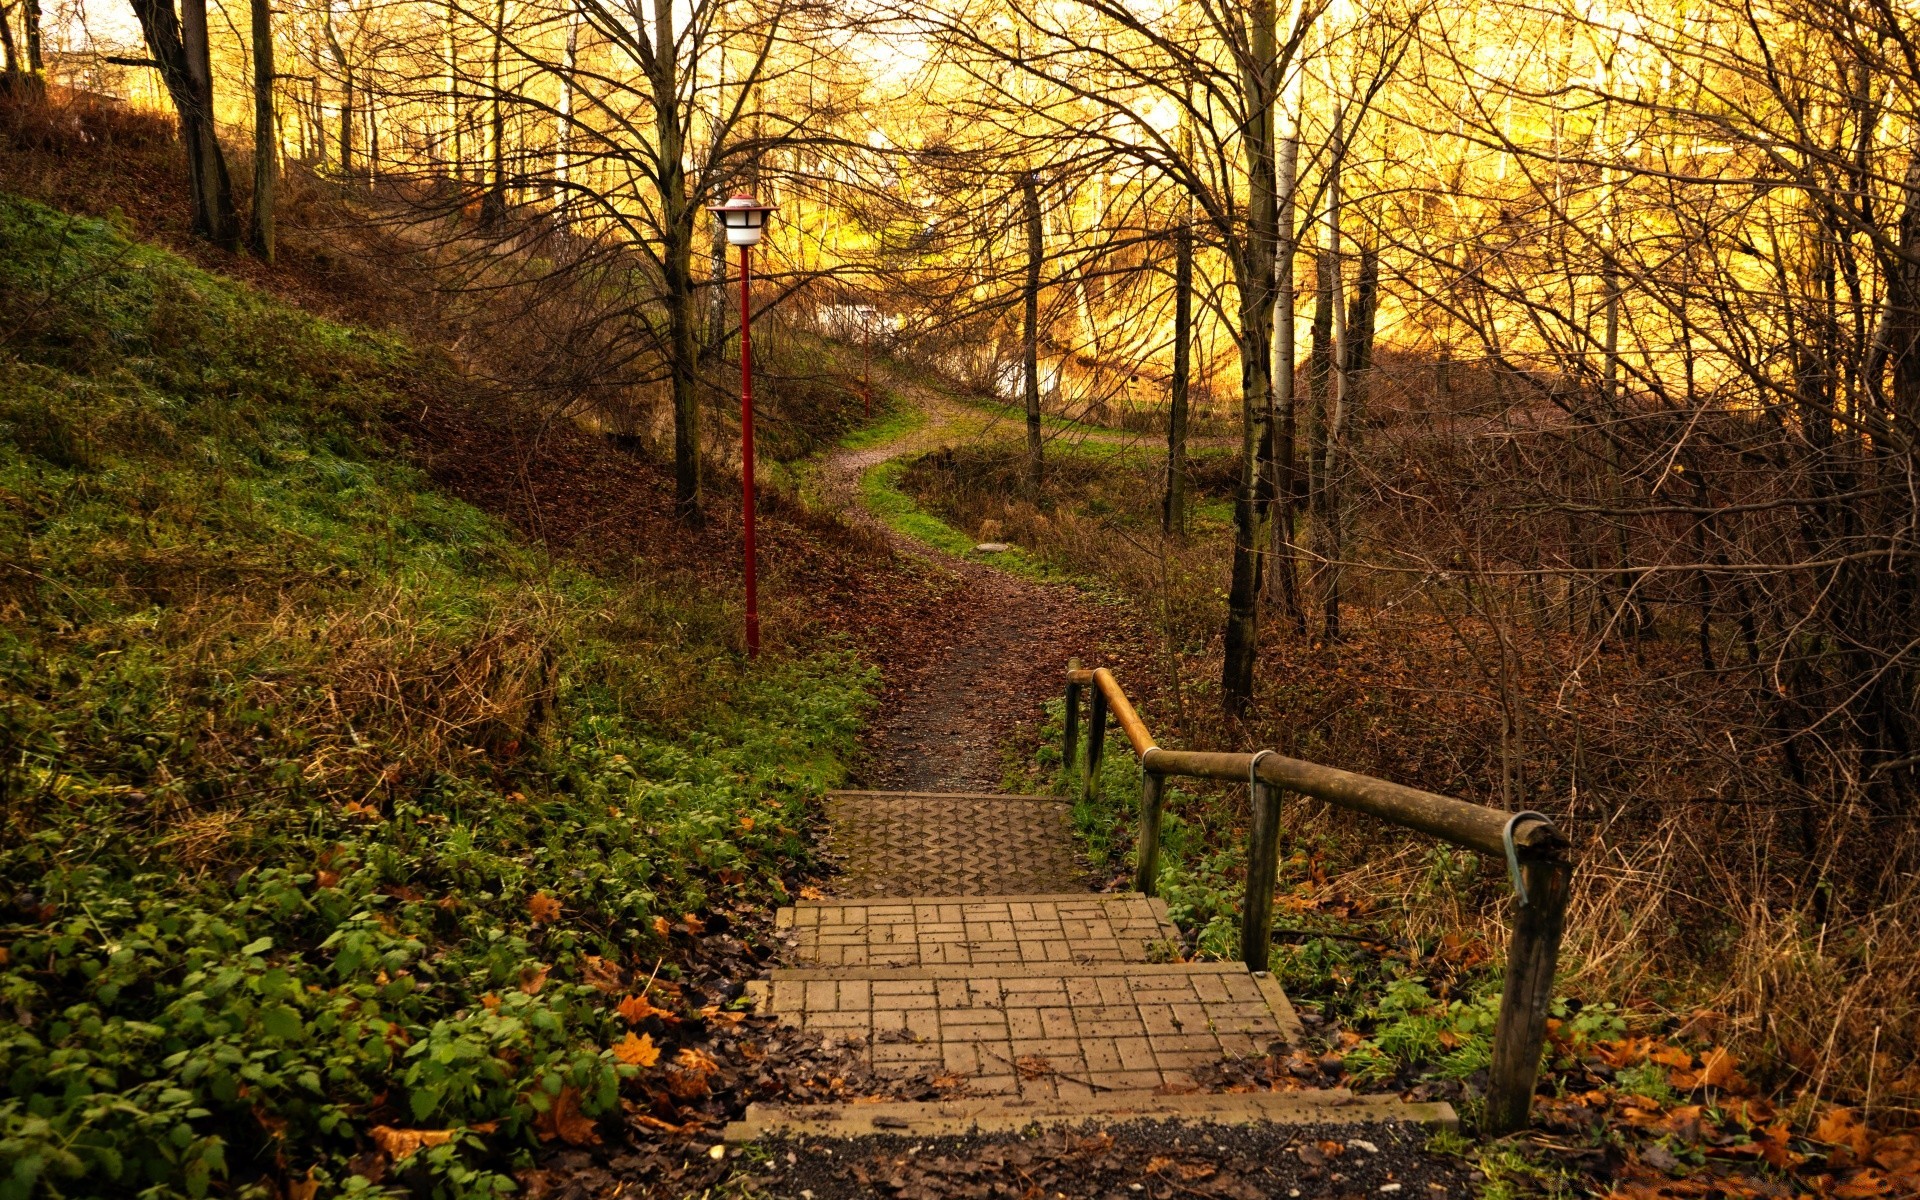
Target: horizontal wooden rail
(1533,849)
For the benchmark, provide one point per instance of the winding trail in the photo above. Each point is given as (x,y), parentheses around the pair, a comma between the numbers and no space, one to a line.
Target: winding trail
(1000,656)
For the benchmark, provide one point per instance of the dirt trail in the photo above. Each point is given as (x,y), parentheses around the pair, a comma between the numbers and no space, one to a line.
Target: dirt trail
(997,658)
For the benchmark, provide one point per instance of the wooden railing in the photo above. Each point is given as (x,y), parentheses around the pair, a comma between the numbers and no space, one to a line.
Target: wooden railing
(1534,851)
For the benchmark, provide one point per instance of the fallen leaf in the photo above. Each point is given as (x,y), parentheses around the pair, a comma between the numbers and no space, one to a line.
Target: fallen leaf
(1671,1056)
(325,879)
(809,892)
(635,1009)
(532,979)
(694,924)
(403,1143)
(718,1015)
(600,974)
(564,1121)
(637,1051)
(746,824)
(490,1002)
(544,909)
(1840,1127)
(303,1189)
(661,926)
(1862,1185)
(697,1061)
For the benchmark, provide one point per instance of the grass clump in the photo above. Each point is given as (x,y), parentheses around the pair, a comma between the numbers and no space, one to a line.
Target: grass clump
(328,805)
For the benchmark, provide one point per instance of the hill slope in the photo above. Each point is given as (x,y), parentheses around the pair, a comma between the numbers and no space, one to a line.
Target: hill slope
(333,810)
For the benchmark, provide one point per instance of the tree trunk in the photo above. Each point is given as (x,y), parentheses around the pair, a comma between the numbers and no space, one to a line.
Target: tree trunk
(1254,274)
(563,124)
(1319,384)
(1174,513)
(10,52)
(346,93)
(456,148)
(266,142)
(1284,579)
(1030,334)
(493,207)
(36,65)
(1332,483)
(178,43)
(676,265)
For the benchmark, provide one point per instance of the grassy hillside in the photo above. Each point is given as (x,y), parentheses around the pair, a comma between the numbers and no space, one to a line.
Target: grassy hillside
(332,811)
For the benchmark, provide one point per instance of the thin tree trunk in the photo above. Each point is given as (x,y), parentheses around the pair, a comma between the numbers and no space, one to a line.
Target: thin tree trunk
(346,93)
(1174,512)
(1030,334)
(1286,435)
(1334,500)
(493,207)
(1319,384)
(266,138)
(456,147)
(563,124)
(1254,274)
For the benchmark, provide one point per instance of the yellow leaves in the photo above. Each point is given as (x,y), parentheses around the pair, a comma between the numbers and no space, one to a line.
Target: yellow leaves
(662,927)
(720,1016)
(1670,1056)
(746,824)
(365,812)
(810,892)
(637,1051)
(544,909)
(490,1002)
(403,1143)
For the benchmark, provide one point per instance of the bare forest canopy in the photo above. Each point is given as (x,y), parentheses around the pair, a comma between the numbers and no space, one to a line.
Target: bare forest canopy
(1589,329)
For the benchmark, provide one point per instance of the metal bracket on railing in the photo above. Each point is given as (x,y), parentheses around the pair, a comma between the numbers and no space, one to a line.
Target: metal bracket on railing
(1253,768)
(1513,855)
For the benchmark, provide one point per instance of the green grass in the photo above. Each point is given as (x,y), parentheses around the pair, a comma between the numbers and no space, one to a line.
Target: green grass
(290,742)
(881,495)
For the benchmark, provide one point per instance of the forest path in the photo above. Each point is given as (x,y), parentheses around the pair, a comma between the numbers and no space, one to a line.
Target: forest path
(998,658)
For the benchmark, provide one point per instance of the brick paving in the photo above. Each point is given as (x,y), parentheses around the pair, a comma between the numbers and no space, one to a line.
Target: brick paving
(959,932)
(964,943)
(951,844)
(1041,1032)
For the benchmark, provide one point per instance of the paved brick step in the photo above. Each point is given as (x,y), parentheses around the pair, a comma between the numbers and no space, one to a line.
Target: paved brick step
(1041,1031)
(1000,1114)
(979,931)
(951,844)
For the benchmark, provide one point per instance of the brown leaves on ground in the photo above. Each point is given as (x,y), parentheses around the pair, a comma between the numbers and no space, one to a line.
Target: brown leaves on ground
(563,1121)
(544,909)
(399,1144)
(1723,1139)
(635,1009)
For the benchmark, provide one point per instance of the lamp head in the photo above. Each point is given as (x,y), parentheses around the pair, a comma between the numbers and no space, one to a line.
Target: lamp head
(742,218)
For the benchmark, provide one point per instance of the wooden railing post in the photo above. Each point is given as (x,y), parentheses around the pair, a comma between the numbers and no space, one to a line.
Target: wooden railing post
(1531,960)
(1070,747)
(1146,869)
(1096,742)
(1263,867)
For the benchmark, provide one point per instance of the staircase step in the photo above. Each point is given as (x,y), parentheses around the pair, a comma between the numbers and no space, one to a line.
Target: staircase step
(979,930)
(993,1114)
(951,844)
(1041,1030)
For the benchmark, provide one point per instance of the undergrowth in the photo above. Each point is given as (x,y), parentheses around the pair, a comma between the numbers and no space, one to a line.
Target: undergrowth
(329,807)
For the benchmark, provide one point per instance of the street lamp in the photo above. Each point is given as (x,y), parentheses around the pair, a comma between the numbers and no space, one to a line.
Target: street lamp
(742,219)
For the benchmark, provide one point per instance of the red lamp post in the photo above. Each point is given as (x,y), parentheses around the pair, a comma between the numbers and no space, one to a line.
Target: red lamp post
(742,219)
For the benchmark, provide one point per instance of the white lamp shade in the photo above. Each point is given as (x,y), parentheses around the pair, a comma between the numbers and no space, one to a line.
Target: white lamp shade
(742,218)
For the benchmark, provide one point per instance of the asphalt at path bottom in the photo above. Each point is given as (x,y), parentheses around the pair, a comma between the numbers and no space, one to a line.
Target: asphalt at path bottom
(1139,1160)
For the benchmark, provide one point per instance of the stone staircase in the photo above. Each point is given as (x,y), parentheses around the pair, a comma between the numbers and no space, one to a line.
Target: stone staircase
(966,941)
